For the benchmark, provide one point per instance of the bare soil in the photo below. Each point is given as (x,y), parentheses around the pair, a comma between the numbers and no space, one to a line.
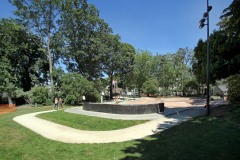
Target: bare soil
(172,102)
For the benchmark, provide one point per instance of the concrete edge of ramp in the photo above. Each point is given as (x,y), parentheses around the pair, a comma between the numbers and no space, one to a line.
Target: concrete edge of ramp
(66,134)
(79,110)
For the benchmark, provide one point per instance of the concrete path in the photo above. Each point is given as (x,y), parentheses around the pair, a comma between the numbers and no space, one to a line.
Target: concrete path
(66,134)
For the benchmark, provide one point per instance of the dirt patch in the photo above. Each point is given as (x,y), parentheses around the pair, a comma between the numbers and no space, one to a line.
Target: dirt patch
(174,102)
(144,100)
(6,108)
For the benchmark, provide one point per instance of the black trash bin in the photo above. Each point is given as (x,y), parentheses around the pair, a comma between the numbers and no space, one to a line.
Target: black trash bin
(160,107)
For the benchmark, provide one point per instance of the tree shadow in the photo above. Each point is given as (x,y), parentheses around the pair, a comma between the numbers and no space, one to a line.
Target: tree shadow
(186,141)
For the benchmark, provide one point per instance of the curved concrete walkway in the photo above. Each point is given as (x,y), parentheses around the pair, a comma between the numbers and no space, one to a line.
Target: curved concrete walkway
(66,134)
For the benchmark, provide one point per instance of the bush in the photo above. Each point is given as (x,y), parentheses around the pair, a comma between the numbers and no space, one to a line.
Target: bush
(93,96)
(74,86)
(234,89)
(39,95)
(235,109)
(150,87)
(106,97)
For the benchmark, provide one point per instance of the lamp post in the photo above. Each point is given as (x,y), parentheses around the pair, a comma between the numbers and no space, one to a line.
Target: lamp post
(202,24)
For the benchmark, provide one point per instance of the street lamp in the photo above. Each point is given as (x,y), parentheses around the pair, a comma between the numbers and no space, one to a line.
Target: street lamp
(202,24)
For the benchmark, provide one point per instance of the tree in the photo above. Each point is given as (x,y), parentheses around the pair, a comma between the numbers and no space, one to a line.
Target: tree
(191,87)
(125,71)
(230,20)
(7,79)
(40,17)
(58,73)
(26,58)
(233,89)
(150,87)
(74,86)
(224,60)
(200,61)
(39,95)
(224,48)
(141,70)
(182,64)
(83,33)
(112,58)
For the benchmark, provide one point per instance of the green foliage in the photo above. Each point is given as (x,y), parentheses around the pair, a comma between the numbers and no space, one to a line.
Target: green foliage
(57,74)
(234,89)
(39,95)
(190,86)
(231,19)
(111,59)
(236,112)
(162,68)
(172,70)
(25,95)
(126,68)
(41,18)
(150,87)
(224,48)
(141,68)
(7,77)
(74,86)
(93,95)
(19,46)
(84,32)
(199,63)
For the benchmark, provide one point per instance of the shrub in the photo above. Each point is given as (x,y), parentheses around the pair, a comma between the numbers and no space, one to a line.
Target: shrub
(93,96)
(150,87)
(234,89)
(74,86)
(39,95)
(235,109)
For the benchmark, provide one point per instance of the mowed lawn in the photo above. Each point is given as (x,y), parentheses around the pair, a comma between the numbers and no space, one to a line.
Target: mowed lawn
(88,122)
(214,137)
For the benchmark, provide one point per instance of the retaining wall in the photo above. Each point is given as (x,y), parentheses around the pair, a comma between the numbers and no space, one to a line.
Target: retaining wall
(123,108)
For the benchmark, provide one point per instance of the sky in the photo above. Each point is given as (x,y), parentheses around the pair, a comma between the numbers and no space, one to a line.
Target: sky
(159,26)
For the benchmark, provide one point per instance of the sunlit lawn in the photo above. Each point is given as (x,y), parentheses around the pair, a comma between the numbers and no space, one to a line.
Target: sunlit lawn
(87,122)
(200,138)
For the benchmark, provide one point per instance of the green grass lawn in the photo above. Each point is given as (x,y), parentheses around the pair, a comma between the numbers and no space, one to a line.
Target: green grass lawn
(88,122)
(214,137)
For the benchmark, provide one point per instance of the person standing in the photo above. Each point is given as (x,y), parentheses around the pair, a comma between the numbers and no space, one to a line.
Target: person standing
(60,103)
(56,103)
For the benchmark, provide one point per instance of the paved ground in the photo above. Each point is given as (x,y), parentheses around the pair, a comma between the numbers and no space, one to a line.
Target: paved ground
(66,134)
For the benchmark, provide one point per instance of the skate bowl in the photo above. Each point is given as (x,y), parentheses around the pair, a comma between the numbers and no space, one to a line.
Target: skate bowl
(124,108)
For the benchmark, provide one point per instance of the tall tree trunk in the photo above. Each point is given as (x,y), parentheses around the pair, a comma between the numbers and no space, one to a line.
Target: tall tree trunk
(9,99)
(50,67)
(198,89)
(110,89)
(139,92)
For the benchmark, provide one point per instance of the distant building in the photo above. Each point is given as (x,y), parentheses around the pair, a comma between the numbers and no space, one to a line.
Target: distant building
(115,88)
(220,90)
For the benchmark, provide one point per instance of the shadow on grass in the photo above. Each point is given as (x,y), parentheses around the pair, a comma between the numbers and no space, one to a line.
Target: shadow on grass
(199,138)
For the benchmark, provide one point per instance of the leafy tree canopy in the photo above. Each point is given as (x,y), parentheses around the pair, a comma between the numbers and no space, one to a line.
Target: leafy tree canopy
(25,57)
(74,87)
(150,87)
